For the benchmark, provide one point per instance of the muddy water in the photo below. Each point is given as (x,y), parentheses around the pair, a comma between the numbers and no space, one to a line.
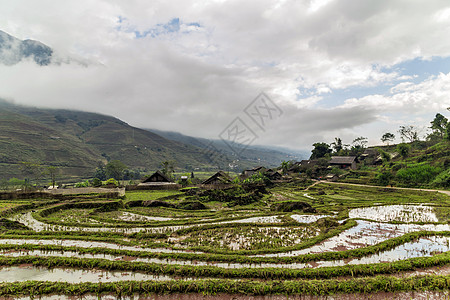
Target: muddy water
(24,273)
(28,220)
(308,218)
(127,216)
(423,247)
(88,244)
(416,295)
(364,234)
(265,219)
(401,213)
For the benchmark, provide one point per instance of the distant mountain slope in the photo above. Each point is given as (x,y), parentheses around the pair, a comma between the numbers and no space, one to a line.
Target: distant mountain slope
(14,50)
(252,155)
(78,141)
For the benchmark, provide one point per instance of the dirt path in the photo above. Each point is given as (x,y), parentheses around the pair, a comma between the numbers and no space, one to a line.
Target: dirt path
(87,190)
(376,186)
(315,182)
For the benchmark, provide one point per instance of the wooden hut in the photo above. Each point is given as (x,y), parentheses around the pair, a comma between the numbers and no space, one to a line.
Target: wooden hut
(343,162)
(157,177)
(219,178)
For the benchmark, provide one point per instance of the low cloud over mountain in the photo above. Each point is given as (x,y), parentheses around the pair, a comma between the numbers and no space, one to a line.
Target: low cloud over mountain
(14,50)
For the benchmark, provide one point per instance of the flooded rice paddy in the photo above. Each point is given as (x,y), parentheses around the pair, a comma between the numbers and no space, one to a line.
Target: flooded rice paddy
(423,247)
(25,273)
(272,235)
(399,213)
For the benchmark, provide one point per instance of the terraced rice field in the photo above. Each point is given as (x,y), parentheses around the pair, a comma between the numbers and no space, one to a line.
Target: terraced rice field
(326,242)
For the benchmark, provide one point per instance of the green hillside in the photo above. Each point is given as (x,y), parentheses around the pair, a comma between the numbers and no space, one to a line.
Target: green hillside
(76,142)
(426,164)
(419,161)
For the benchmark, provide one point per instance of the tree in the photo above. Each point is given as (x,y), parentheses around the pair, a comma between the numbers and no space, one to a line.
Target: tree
(114,169)
(4,184)
(387,138)
(386,157)
(409,132)
(439,125)
(30,171)
(360,142)
(52,171)
(320,150)
(447,132)
(100,172)
(285,166)
(403,150)
(167,168)
(337,145)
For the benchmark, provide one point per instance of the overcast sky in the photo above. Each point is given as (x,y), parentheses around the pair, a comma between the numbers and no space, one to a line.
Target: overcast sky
(332,68)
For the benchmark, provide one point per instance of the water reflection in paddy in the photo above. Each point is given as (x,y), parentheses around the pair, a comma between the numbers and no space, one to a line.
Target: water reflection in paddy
(401,213)
(423,247)
(28,220)
(25,273)
(364,234)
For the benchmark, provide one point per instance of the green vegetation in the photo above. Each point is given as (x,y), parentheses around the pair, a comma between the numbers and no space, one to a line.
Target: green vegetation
(81,145)
(219,240)
(242,287)
(412,163)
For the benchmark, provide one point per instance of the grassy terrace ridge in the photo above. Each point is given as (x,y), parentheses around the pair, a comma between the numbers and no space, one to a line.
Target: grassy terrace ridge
(198,243)
(418,164)
(136,238)
(266,273)
(233,258)
(241,287)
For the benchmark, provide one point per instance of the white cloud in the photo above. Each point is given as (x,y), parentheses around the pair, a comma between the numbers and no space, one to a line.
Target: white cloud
(206,74)
(428,96)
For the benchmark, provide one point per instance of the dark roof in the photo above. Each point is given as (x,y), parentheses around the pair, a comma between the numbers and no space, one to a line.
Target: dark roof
(342,160)
(306,163)
(274,175)
(157,177)
(256,169)
(219,176)
(370,152)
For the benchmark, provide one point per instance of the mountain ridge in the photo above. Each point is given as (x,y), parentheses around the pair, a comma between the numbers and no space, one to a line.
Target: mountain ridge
(14,50)
(77,142)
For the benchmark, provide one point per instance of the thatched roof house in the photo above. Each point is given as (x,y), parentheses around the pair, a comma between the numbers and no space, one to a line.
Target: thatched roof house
(273,175)
(303,165)
(219,178)
(343,162)
(157,177)
(251,172)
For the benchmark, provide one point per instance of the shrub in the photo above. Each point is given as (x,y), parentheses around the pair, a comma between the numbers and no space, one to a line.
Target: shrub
(96,182)
(191,205)
(418,175)
(111,182)
(337,171)
(442,180)
(384,178)
(82,184)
